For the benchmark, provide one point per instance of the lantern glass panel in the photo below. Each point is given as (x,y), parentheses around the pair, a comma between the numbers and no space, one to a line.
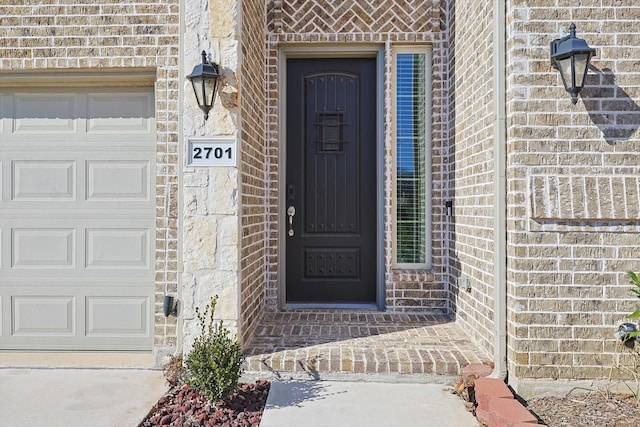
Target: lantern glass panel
(196,82)
(565,66)
(581,60)
(210,91)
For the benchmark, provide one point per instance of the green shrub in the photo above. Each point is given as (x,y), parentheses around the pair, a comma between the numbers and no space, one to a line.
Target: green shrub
(215,363)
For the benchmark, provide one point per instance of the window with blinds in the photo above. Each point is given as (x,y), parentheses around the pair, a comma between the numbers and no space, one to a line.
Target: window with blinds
(412,102)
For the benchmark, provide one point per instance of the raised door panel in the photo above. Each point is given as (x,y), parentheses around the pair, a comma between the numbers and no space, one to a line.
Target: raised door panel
(117,315)
(45,113)
(118,248)
(43,180)
(39,248)
(118,180)
(43,315)
(119,113)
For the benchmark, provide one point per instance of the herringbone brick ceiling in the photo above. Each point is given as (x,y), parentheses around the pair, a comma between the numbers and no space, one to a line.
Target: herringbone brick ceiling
(349,16)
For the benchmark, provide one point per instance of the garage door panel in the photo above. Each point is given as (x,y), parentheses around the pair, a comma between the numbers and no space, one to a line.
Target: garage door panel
(115,112)
(43,180)
(117,180)
(121,181)
(43,315)
(76,248)
(118,248)
(81,318)
(43,248)
(116,316)
(45,113)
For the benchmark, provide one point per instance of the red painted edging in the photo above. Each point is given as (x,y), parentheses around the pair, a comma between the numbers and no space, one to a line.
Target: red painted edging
(497,406)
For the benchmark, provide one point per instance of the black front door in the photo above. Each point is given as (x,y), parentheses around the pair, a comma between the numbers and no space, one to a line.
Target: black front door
(330,210)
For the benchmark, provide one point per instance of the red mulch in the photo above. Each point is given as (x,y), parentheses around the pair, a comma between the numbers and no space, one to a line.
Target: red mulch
(185,407)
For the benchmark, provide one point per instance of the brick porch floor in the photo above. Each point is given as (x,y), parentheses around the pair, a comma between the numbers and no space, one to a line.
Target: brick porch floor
(320,342)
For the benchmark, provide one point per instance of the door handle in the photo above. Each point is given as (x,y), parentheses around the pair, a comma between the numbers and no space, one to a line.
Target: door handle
(291,212)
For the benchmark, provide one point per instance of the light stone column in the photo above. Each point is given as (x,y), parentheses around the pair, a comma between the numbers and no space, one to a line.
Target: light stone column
(210,194)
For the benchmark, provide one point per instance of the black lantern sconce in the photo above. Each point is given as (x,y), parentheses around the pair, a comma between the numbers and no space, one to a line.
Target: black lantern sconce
(204,79)
(571,55)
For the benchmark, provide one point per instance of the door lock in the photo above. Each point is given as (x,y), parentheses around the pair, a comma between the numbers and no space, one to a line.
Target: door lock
(291,212)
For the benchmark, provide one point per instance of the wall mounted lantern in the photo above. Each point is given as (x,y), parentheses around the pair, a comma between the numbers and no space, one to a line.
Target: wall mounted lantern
(571,55)
(204,79)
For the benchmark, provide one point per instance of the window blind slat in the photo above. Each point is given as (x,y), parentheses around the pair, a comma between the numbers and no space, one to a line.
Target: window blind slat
(410,157)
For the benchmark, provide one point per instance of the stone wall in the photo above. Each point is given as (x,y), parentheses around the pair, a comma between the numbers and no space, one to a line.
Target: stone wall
(573,227)
(113,35)
(210,194)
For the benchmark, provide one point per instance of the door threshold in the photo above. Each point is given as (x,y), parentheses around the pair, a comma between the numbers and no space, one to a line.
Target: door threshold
(77,359)
(323,306)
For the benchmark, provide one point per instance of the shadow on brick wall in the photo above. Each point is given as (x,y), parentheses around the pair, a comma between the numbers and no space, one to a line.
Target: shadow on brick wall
(610,107)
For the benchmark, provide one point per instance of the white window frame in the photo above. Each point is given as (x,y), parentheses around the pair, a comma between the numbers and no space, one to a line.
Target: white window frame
(427,50)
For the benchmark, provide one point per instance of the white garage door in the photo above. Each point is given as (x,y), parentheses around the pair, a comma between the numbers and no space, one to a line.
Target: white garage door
(77,219)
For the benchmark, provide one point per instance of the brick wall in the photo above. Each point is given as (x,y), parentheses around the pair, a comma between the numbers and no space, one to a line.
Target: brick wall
(303,23)
(573,227)
(51,35)
(252,166)
(470,165)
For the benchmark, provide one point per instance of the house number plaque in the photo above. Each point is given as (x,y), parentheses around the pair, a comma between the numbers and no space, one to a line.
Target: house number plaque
(211,152)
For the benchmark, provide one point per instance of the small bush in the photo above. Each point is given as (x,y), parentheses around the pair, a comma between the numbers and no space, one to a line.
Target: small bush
(174,370)
(215,363)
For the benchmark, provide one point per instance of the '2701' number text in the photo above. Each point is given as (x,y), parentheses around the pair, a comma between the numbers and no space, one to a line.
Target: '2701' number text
(205,152)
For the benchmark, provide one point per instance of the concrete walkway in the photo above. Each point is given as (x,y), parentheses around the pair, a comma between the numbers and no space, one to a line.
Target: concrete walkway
(123,397)
(363,404)
(78,397)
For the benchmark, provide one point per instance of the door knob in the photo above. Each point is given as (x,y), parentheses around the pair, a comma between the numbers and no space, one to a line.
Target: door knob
(291,211)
